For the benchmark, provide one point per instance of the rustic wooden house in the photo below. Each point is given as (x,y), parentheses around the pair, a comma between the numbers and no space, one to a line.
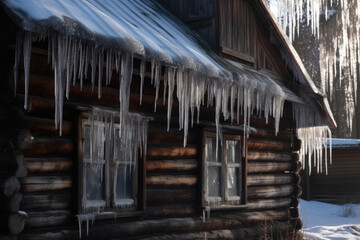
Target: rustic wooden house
(85,152)
(340,184)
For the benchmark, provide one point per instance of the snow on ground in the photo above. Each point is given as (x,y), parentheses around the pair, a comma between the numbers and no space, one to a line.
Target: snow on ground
(327,221)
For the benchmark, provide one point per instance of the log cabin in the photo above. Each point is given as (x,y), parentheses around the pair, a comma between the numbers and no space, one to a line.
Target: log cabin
(152,120)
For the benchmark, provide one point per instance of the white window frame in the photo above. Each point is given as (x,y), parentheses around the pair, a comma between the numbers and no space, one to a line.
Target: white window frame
(225,200)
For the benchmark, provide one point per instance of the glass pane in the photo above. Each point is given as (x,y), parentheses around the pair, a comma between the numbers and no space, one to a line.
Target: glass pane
(214,181)
(124,182)
(117,147)
(94,181)
(233,151)
(233,182)
(210,150)
(86,142)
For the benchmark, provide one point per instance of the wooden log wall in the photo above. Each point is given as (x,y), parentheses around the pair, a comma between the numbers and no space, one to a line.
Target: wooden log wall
(173,179)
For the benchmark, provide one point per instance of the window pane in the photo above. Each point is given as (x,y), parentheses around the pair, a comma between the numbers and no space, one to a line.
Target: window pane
(86,142)
(233,181)
(124,185)
(214,181)
(210,150)
(94,181)
(233,151)
(118,152)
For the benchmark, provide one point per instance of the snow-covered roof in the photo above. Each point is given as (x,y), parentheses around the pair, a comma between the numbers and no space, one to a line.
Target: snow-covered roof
(140,26)
(344,143)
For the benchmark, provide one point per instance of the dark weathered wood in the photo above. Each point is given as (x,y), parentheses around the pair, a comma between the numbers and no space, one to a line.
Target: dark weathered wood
(172,180)
(171,210)
(12,164)
(263,167)
(271,191)
(160,196)
(276,203)
(178,165)
(12,223)
(12,203)
(49,146)
(46,165)
(270,179)
(173,152)
(277,230)
(272,156)
(18,139)
(9,186)
(49,218)
(43,126)
(47,200)
(264,144)
(45,183)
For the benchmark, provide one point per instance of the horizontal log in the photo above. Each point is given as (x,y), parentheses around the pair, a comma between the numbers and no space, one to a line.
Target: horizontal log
(51,218)
(174,136)
(268,156)
(11,204)
(179,165)
(43,126)
(45,183)
(170,196)
(17,139)
(284,135)
(277,230)
(263,144)
(49,146)
(46,165)
(9,186)
(198,230)
(171,210)
(49,200)
(172,152)
(12,223)
(294,212)
(171,181)
(270,191)
(270,179)
(267,167)
(269,204)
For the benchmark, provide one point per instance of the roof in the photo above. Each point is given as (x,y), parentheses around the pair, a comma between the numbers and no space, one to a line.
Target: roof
(342,143)
(140,26)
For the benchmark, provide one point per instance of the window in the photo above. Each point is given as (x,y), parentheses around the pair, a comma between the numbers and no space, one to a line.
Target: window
(224,171)
(237,29)
(109,163)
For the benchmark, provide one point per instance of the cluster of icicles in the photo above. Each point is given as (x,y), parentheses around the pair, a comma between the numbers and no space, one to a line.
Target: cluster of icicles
(339,40)
(71,57)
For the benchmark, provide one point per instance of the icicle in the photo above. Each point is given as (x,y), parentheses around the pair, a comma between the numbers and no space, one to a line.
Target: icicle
(157,82)
(142,77)
(27,56)
(18,51)
(171,81)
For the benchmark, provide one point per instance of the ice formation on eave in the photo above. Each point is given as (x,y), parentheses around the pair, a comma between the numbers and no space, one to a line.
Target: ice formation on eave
(339,41)
(199,78)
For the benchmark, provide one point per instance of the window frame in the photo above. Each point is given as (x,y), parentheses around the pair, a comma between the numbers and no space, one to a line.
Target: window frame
(110,209)
(227,45)
(226,200)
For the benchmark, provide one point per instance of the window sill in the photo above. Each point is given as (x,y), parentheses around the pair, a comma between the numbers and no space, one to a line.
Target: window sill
(113,215)
(225,207)
(237,54)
